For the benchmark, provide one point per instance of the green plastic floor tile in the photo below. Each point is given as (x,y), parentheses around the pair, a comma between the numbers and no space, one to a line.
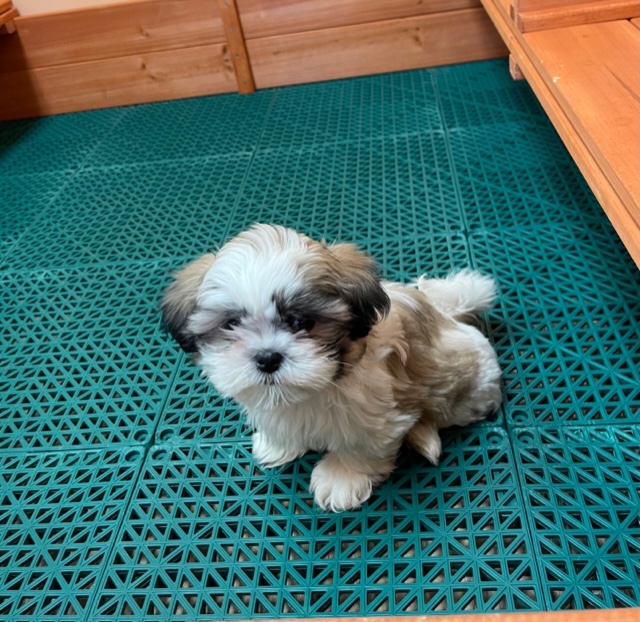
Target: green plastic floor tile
(21,209)
(85,361)
(569,365)
(478,94)
(53,143)
(360,191)
(209,534)
(344,111)
(59,513)
(581,493)
(190,128)
(143,212)
(127,487)
(557,266)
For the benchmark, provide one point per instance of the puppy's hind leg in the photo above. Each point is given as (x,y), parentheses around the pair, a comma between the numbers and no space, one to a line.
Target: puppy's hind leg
(425,439)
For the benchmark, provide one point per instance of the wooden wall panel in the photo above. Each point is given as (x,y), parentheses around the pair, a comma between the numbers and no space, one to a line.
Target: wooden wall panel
(125,80)
(266,18)
(378,47)
(110,31)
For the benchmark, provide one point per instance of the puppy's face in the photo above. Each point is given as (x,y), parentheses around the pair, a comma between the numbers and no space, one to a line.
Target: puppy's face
(275,316)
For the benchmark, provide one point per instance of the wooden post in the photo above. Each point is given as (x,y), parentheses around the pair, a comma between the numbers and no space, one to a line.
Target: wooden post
(7,15)
(236,45)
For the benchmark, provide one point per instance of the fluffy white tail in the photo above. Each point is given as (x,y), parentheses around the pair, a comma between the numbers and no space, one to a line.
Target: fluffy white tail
(461,293)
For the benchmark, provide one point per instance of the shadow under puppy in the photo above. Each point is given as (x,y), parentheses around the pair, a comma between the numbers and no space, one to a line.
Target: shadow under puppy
(325,356)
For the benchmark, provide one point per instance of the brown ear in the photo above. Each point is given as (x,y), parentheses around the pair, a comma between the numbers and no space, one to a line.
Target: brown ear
(179,300)
(360,284)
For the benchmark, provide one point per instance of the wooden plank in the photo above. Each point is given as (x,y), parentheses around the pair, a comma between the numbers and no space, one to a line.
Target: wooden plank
(136,27)
(635,22)
(7,20)
(410,43)
(534,15)
(237,48)
(533,71)
(266,18)
(594,72)
(601,615)
(173,74)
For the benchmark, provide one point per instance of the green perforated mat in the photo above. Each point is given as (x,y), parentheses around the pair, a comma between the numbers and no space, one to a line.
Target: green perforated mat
(127,487)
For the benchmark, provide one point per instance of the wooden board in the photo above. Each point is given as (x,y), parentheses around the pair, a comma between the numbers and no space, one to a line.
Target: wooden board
(635,22)
(544,87)
(601,615)
(533,15)
(173,74)
(119,30)
(594,71)
(378,47)
(266,18)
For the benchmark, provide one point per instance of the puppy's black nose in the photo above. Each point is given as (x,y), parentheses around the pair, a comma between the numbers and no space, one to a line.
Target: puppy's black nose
(268,362)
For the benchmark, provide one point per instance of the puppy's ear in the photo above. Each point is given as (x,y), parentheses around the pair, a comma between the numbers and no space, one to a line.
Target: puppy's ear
(179,300)
(360,284)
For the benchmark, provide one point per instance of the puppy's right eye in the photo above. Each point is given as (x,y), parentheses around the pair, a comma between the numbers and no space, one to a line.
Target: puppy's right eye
(231,323)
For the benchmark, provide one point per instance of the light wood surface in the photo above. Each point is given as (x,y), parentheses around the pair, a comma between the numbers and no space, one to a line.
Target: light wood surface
(266,18)
(237,48)
(595,73)
(377,47)
(532,15)
(173,74)
(599,615)
(622,215)
(108,32)
(635,22)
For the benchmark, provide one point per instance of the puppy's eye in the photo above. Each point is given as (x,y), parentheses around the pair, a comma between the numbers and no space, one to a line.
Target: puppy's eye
(231,323)
(297,323)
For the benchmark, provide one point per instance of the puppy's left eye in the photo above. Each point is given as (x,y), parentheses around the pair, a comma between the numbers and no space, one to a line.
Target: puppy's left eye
(298,323)
(231,323)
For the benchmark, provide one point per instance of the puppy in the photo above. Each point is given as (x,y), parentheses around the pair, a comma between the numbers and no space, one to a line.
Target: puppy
(325,356)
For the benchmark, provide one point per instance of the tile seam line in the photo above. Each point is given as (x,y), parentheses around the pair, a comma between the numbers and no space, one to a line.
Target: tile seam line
(249,166)
(93,599)
(451,161)
(73,172)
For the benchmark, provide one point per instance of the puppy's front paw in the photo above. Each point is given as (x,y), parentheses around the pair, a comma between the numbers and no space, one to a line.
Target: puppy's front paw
(337,487)
(269,455)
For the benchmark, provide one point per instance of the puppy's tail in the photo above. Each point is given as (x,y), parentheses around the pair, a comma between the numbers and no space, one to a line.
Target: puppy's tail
(460,294)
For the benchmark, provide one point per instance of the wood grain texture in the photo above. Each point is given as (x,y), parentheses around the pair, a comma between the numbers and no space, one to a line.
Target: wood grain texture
(594,71)
(266,18)
(237,47)
(137,27)
(534,15)
(378,47)
(174,74)
(544,88)
(601,615)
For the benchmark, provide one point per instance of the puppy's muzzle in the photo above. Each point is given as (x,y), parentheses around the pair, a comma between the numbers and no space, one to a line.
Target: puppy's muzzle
(268,362)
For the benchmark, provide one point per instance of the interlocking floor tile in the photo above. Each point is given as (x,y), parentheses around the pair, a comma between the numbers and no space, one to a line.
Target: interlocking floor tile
(145,212)
(59,513)
(53,143)
(580,486)
(221,125)
(210,534)
(356,191)
(85,361)
(375,107)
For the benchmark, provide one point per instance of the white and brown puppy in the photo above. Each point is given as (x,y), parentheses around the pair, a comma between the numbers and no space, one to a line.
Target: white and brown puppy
(325,356)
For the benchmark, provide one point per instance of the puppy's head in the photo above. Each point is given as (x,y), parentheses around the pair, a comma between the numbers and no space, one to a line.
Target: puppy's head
(275,316)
